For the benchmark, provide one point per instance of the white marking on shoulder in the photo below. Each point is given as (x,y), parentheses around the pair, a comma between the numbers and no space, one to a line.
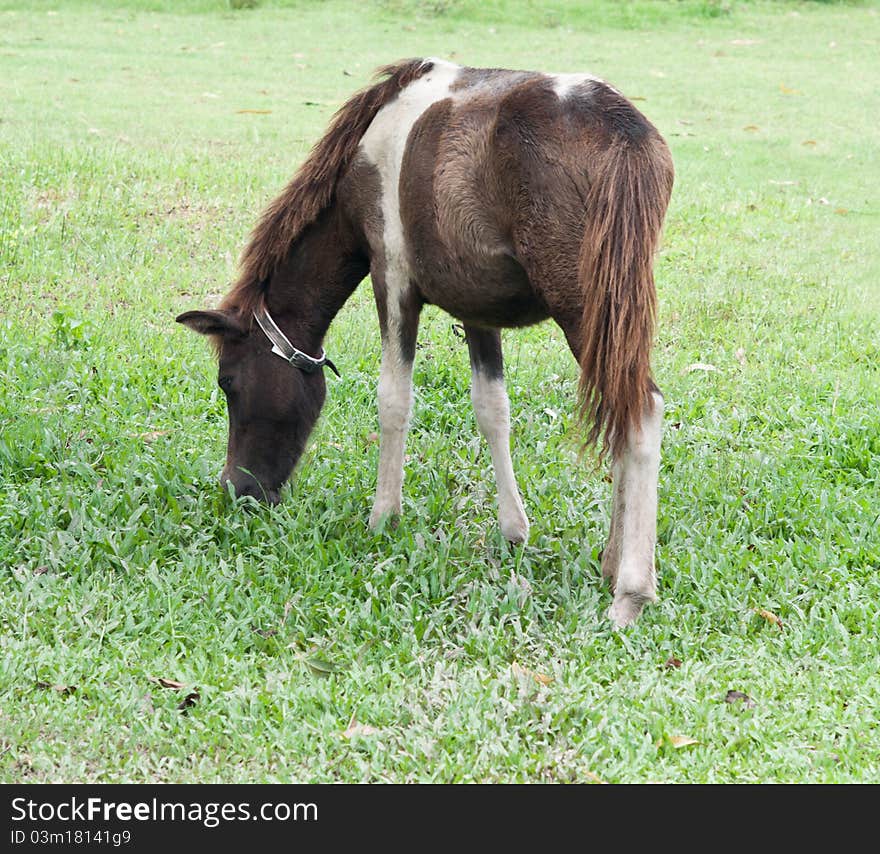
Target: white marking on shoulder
(384,144)
(564,83)
(385,139)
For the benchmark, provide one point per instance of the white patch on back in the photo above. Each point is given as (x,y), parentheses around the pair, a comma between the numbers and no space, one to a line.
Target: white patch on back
(564,83)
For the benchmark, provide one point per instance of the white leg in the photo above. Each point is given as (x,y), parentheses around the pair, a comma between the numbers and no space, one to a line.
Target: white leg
(492,408)
(395,407)
(634,519)
(493,415)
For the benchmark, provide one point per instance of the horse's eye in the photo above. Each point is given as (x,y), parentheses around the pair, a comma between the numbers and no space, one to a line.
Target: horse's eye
(225,383)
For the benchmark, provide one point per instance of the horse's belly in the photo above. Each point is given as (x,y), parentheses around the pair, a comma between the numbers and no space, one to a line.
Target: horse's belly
(492,292)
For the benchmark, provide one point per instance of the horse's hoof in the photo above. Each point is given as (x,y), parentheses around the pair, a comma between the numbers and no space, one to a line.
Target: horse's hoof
(626,608)
(384,518)
(515,530)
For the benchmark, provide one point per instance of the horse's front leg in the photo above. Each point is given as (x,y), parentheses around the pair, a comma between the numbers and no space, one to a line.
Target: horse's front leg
(398,307)
(628,559)
(492,408)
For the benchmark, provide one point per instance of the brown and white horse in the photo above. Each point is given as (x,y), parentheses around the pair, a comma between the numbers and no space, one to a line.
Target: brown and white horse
(503,197)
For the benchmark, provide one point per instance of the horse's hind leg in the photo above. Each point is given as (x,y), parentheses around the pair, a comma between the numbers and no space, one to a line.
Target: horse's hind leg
(399,310)
(628,559)
(492,409)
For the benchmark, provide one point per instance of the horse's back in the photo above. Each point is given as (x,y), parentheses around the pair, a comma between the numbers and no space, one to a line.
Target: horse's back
(485,175)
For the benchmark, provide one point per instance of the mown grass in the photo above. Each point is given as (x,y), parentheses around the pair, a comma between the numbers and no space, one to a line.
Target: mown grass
(128,182)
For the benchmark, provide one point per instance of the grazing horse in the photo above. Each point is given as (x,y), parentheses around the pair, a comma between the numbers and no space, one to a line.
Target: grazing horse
(503,197)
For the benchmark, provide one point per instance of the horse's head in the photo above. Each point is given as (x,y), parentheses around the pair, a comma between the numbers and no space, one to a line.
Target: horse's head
(272,403)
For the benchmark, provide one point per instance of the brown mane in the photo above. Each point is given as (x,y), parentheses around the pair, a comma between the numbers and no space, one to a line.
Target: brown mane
(314,185)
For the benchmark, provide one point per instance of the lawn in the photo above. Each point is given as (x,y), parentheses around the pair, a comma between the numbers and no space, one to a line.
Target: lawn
(138,144)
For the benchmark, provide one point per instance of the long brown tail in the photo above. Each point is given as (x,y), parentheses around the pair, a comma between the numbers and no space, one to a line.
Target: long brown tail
(625,210)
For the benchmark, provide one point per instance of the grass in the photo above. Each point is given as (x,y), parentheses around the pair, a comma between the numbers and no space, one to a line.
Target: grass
(129,179)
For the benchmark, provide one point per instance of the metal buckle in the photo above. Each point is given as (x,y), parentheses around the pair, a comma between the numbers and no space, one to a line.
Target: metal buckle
(281,346)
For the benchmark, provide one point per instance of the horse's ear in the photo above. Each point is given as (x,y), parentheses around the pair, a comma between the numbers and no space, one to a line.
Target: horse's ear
(212,322)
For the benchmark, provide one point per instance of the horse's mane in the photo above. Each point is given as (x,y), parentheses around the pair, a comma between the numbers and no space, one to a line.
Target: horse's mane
(314,185)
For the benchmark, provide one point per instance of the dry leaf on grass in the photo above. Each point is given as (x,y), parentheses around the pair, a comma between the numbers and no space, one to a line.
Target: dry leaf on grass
(253,112)
(525,673)
(63,690)
(167,683)
(672,663)
(679,741)
(739,697)
(699,366)
(769,616)
(152,435)
(188,701)
(263,633)
(354,728)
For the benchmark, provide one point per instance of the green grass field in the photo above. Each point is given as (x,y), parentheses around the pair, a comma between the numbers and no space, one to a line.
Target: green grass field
(138,146)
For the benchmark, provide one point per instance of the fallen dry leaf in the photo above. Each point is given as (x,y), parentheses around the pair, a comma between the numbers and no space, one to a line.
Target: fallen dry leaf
(841,211)
(63,690)
(263,633)
(672,663)
(739,697)
(679,741)
(769,616)
(595,778)
(525,673)
(41,570)
(699,366)
(152,435)
(188,701)
(751,128)
(787,90)
(168,683)
(253,112)
(354,728)
(810,143)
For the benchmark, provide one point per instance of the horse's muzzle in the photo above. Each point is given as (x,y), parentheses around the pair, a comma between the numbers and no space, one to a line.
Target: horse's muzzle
(245,484)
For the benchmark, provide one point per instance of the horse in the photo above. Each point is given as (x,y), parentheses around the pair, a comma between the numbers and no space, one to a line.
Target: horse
(505,198)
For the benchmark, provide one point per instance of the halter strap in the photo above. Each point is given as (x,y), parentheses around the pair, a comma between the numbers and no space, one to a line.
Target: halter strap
(281,346)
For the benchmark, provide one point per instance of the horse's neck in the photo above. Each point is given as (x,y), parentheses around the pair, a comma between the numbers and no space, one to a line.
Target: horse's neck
(319,275)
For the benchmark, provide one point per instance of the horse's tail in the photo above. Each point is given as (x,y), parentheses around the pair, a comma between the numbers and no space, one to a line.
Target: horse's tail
(625,208)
